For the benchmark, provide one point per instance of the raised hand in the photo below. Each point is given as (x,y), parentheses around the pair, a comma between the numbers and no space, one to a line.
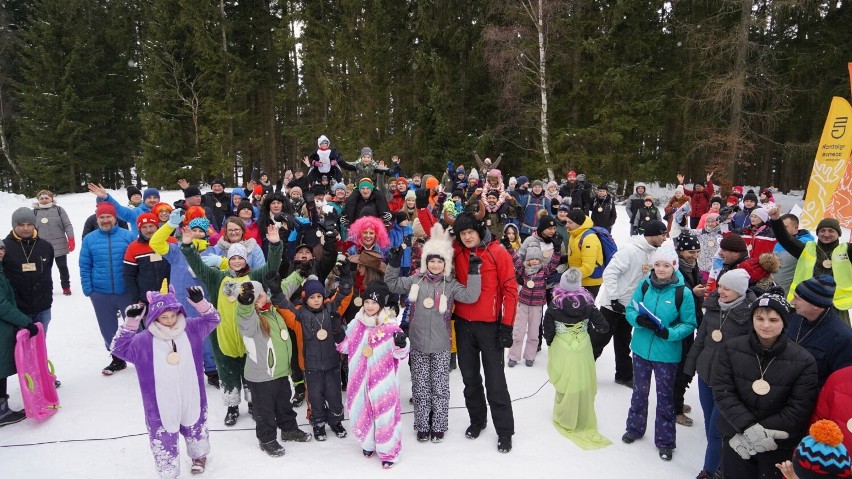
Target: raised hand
(176,217)
(272,234)
(183,183)
(186,235)
(97,190)
(246,293)
(133,316)
(273,281)
(679,178)
(195,294)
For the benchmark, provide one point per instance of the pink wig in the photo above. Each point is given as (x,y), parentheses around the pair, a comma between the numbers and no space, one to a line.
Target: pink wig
(369,223)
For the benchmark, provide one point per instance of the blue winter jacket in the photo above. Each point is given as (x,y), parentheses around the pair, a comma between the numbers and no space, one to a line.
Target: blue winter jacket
(128,214)
(530,206)
(397,235)
(102,260)
(645,343)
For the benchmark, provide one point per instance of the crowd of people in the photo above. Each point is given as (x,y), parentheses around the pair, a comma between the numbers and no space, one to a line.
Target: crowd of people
(312,288)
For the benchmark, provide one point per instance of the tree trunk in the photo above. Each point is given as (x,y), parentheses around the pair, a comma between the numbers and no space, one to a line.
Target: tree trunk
(542,85)
(4,145)
(736,120)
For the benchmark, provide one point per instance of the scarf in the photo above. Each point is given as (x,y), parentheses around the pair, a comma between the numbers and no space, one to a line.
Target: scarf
(368,321)
(732,304)
(43,207)
(167,333)
(531,270)
(662,283)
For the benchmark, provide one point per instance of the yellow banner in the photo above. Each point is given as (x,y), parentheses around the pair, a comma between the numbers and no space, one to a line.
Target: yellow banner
(824,197)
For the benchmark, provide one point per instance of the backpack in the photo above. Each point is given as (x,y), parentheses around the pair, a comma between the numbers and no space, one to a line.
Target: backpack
(678,294)
(608,247)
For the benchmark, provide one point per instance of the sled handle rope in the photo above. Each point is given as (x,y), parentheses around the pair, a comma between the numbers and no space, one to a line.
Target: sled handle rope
(230,429)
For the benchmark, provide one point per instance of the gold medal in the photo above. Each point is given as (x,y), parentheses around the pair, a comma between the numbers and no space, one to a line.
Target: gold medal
(218,204)
(646,267)
(44,220)
(716,335)
(826,264)
(173,358)
(319,234)
(428,303)
(711,243)
(28,267)
(487,222)
(367,351)
(358,301)
(530,284)
(285,335)
(322,334)
(647,218)
(760,387)
(600,210)
(849,425)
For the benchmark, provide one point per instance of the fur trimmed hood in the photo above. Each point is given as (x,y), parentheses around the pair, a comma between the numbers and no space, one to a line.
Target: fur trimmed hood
(441,244)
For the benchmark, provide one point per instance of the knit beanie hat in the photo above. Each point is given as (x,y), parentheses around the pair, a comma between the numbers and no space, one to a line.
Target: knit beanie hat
(819,291)
(577,216)
(494,193)
(322,139)
(732,200)
(237,249)
(750,196)
(495,173)
(649,198)
(338,186)
(687,242)
(258,190)
(679,189)
(829,223)
(474,175)
(377,291)
(655,228)
(717,199)
(313,286)
(821,454)
(761,213)
(411,195)
(432,182)
(202,223)
(571,174)
(132,191)
(217,181)
(533,252)
(537,183)
(733,243)
(149,192)
(26,215)
(105,208)
(401,216)
(460,170)
(466,221)
(147,219)
(367,151)
(545,222)
(244,205)
(366,182)
(571,279)
(564,206)
(294,189)
(771,300)
(522,180)
(665,254)
(735,279)
(191,191)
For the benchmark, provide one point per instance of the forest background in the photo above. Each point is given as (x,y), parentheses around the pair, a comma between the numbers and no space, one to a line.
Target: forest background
(115,91)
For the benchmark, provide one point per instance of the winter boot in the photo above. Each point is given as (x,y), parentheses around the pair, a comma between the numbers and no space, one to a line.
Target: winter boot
(198,465)
(8,416)
(529,363)
(115,366)
(338,429)
(232,415)
(628,438)
(666,453)
(473,430)
(684,420)
(319,433)
(273,448)
(504,443)
(512,363)
(437,437)
(422,436)
(295,435)
(388,464)
(298,399)
(625,382)
(213,379)
(367,454)
(453,361)
(66,291)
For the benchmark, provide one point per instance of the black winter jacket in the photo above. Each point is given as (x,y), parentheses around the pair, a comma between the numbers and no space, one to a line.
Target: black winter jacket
(602,211)
(829,341)
(355,205)
(569,315)
(33,289)
(792,376)
(737,322)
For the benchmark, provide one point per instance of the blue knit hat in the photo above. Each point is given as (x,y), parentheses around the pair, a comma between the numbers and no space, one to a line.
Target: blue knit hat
(202,223)
(312,286)
(522,180)
(150,192)
(819,291)
(822,454)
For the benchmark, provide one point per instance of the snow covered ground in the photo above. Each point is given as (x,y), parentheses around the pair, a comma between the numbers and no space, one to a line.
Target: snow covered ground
(100,430)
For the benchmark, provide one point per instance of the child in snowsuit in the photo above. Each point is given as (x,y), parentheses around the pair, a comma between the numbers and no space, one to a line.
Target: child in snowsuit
(375,345)
(317,321)
(431,294)
(532,277)
(169,365)
(268,351)
(570,362)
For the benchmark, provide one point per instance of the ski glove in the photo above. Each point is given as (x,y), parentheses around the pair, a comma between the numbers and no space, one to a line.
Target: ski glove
(763,440)
(133,316)
(175,218)
(739,444)
(32,329)
(273,282)
(197,300)
(336,327)
(395,257)
(645,322)
(304,268)
(475,263)
(399,339)
(504,336)
(617,307)
(246,296)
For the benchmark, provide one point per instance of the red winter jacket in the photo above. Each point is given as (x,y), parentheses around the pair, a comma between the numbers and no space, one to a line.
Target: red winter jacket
(700,202)
(835,402)
(499,297)
(396,202)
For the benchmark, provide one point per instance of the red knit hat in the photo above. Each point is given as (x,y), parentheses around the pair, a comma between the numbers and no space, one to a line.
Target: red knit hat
(105,208)
(733,200)
(147,219)
(258,190)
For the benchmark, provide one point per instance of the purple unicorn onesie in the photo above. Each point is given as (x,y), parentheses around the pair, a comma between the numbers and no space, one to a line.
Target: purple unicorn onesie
(169,364)
(372,396)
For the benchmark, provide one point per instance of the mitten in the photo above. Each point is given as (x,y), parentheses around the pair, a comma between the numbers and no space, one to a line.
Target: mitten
(336,327)
(763,440)
(662,333)
(504,336)
(421,198)
(273,282)
(32,329)
(195,296)
(304,268)
(617,307)
(399,339)
(71,245)
(212,260)
(395,257)
(133,316)
(645,322)
(175,218)
(475,263)
(246,293)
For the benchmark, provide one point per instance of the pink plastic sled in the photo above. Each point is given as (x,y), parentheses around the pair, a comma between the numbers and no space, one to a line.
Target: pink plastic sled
(35,373)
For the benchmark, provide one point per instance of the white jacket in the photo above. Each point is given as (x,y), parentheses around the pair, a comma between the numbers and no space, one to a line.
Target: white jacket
(624,272)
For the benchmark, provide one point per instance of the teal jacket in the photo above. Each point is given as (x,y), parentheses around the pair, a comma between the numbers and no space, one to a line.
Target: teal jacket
(680,324)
